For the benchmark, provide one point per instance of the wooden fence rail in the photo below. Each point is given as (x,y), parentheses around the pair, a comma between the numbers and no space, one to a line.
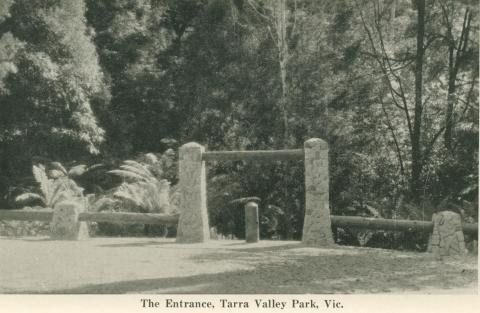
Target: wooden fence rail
(111,217)
(129,218)
(27,215)
(169,219)
(390,224)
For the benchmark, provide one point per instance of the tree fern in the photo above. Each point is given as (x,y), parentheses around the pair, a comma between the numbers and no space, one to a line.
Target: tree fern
(52,190)
(142,186)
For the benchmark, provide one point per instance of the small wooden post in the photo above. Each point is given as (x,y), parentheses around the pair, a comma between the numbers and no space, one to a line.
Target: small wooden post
(252,232)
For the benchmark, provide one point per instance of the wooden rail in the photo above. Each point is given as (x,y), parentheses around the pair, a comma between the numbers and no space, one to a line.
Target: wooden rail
(257,155)
(389,224)
(111,217)
(169,219)
(27,215)
(129,218)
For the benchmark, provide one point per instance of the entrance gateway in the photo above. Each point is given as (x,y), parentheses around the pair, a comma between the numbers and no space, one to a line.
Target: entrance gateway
(193,221)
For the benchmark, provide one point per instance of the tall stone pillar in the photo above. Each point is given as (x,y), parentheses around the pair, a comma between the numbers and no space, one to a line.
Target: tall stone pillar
(65,224)
(193,220)
(317,227)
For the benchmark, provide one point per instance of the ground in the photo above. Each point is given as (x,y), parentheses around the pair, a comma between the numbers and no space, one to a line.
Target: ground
(151,265)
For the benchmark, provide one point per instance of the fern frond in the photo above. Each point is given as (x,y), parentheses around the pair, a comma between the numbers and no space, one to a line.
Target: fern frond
(127,174)
(42,179)
(131,192)
(65,189)
(151,158)
(94,167)
(71,185)
(57,191)
(101,203)
(139,166)
(77,170)
(58,166)
(146,175)
(29,197)
(55,174)
(58,197)
(127,196)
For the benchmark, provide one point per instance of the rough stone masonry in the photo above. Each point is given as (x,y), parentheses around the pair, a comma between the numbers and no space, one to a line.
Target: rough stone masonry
(447,236)
(65,224)
(193,221)
(317,228)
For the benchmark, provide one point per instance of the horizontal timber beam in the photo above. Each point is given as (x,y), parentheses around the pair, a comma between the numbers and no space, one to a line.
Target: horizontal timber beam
(390,224)
(128,218)
(27,215)
(256,155)
(110,217)
(155,218)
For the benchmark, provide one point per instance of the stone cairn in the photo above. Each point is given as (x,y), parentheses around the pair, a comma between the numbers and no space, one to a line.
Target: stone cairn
(65,224)
(447,236)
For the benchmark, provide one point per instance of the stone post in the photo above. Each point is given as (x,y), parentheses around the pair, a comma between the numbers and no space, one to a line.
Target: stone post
(252,232)
(193,220)
(447,236)
(65,224)
(317,227)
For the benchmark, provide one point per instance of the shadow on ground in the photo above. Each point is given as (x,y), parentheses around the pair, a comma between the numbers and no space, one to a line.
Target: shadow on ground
(137,244)
(291,269)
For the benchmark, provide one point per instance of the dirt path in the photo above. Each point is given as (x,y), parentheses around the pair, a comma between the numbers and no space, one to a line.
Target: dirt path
(150,265)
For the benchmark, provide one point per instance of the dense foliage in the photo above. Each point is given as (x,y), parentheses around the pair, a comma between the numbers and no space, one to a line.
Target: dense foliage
(392,85)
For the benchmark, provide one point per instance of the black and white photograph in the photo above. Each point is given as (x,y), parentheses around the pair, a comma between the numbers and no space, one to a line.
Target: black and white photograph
(239,147)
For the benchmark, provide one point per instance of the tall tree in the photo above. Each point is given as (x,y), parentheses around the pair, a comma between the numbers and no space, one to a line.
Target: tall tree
(49,76)
(280,17)
(458,46)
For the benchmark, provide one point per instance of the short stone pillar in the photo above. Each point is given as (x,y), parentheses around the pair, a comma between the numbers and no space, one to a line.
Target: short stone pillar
(447,236)
(252,231)
(65,224)
(193,221)
(317,226)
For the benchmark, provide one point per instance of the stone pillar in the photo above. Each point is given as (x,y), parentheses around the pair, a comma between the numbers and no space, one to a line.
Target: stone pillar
(447,236)
(317,227)
(65,224)
(193,221)
(252,232)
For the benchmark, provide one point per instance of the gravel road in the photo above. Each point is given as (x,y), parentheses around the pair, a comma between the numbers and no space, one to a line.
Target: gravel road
(151,265)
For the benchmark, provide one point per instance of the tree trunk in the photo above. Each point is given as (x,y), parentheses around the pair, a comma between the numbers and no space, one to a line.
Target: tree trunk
(449,113)
(393,9)
(417,163)
(453,66)
(280,13)
(283,101)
